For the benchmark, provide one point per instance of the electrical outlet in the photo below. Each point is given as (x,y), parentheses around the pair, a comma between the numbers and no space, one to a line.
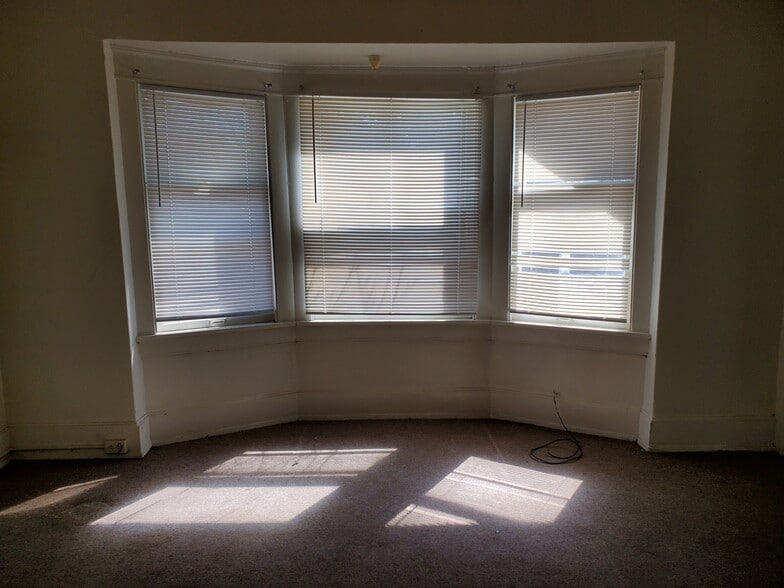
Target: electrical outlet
(115,446)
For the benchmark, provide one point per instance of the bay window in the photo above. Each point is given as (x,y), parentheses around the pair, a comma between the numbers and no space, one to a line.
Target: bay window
(431,197)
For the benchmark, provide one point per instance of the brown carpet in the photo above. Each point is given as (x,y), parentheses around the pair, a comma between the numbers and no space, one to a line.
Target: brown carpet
(406,503)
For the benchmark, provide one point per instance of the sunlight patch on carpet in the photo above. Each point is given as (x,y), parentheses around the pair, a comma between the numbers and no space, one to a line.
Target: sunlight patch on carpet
(55,496)
(415,515)
(183,505)
(296,463)
(501,490)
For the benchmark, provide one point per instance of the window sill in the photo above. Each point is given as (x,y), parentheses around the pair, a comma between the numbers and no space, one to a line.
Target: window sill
(572,336)
(256,335)
(215,339)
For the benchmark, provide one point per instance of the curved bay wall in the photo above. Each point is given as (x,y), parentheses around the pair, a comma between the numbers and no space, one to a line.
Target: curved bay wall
(201,384)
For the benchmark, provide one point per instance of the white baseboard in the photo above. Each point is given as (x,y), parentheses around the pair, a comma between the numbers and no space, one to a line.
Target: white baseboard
(196,422)
(712,433)
(589,418)
(5,446)
(392,416)
(666,434)
(644,430)
(75,440)
(556,426)
(192,436)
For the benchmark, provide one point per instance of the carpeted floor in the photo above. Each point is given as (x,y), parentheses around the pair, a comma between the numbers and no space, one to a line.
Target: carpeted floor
(394,503)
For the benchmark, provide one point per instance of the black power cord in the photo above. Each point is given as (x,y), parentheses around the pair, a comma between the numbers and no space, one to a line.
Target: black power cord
(544,453)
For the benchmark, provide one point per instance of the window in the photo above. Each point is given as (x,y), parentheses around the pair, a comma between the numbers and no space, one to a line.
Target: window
(390,204)
(573,206)
(441,195)
(208,213)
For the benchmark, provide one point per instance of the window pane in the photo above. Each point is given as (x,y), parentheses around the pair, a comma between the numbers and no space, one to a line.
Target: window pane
(207,205)
(391,222)
(573,206)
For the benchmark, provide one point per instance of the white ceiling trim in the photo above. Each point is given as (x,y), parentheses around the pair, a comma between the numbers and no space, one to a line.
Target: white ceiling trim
(351,56)
(156,63)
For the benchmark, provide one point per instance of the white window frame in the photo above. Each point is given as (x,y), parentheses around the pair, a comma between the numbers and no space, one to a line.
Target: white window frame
(545,319)
(135,214)
(429,228)
(293,137)
(644,209)
(162,326)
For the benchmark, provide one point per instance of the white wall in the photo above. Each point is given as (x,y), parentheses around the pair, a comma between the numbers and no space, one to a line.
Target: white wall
(199,385)
(598,379)
(64,335)
(388,371)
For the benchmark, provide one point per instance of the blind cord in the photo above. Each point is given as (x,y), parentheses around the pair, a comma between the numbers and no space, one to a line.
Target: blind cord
(157,152)
(544,453)
(313,144)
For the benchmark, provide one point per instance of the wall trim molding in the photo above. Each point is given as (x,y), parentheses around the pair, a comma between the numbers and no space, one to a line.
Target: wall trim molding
(556,427)
(74,440)
(259,335)
(716,433)
(149,62)
(457,415)
(644,430)
(188,423)
(143,424)
(180,438)
(606,341)
(120,47)
(219,339)
(590,418)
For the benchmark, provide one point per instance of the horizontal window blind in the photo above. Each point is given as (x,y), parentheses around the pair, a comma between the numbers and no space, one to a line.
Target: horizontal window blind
(575,162)
(208,211)
(390,205)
